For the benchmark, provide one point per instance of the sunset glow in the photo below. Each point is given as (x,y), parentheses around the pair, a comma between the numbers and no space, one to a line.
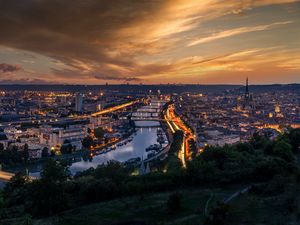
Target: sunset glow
(149,41)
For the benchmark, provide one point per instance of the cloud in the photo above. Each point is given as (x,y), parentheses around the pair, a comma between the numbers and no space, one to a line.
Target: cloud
(96,40)
(236,31)
(6,68)
(25,81)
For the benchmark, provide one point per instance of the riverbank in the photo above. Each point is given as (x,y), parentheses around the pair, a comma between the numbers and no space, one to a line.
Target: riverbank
(34,166)
(136,148)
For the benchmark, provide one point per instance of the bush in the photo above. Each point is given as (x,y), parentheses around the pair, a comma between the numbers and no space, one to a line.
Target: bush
(174,202)
(218,215)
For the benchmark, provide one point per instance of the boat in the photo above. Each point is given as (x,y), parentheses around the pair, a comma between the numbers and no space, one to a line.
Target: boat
(119,144)
(154,147)
(150,155)
(132,161)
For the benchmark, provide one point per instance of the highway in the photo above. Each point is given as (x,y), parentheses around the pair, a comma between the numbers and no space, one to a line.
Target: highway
(175,123)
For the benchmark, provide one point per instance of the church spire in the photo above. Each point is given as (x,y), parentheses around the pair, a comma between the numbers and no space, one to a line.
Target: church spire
(247,94)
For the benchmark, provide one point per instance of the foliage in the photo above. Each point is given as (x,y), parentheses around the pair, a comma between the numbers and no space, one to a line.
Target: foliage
(177,141)
(26,153)
(66,147)
(48,194)
(254,162)
(294,138)
(218,215)
(87,142)
(242,162)
(45,152)
(99,132)
(174,202)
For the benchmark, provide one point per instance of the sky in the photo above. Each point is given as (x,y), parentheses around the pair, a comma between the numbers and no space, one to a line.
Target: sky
(149,41)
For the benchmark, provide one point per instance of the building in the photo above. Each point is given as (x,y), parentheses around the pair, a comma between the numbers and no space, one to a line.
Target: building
(55,137)
(248,98)
(223,140)
(78,102)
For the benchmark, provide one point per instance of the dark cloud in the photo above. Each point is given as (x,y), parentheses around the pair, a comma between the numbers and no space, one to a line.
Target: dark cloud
(5,68)
(25,81)
(135,79)
(96,32)
(111,39)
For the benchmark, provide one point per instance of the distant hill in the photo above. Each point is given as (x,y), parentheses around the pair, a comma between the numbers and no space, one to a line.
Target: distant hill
(127,88)
(273,87)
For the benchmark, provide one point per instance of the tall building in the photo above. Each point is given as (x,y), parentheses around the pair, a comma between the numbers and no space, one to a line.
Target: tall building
(78,102)
(277,108)
(247,94)
(248,100)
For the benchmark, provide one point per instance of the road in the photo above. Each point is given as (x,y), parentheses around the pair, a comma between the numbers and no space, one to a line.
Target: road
(6,176)
(175,123)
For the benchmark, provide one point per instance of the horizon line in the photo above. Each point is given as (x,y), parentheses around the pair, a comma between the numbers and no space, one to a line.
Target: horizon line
(163,84)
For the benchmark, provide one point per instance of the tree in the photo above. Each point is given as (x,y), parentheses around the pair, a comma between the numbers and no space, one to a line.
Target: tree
(2,211)
(48,194)
(15,190)
(45,152)
(294,137)
(26,153)
(87,142)
(99,132)
(27,220)
(259,141)
(19,180)
(1,147)
(218,215)
(112,170)
(66,148)
(54,171)
(174,202)
(283,150)
(52,153)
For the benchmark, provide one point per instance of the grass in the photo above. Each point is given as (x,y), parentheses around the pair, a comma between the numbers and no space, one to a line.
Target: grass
(151,209)
(252,209)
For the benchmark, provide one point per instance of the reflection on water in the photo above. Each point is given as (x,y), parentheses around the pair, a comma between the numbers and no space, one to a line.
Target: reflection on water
(136,148)
(147,123)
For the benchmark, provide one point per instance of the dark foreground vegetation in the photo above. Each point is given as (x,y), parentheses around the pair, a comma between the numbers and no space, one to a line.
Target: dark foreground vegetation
(195,195)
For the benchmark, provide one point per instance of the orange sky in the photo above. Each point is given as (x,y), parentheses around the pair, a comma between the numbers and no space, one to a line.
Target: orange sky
(167,41)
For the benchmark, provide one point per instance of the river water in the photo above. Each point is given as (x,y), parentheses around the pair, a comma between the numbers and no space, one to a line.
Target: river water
(136,148)
(144,137)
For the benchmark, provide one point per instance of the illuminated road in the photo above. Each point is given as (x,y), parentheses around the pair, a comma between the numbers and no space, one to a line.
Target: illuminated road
(175,123)
(6,176)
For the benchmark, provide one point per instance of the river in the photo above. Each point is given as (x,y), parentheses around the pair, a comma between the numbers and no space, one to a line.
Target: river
(144,137)
(136,148)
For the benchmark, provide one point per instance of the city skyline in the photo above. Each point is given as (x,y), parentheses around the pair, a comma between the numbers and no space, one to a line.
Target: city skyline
(149,42)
